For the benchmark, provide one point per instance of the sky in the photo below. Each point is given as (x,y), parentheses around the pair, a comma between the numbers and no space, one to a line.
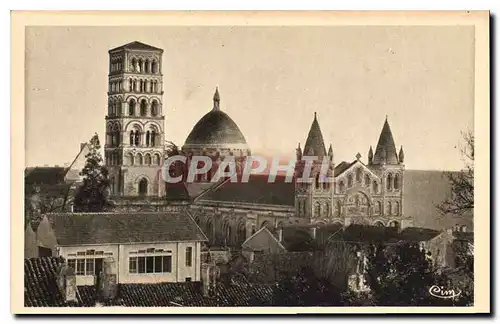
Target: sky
(271,81)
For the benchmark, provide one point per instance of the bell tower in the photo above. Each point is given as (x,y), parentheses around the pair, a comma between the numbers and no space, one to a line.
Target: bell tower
(313,200)
(134,150)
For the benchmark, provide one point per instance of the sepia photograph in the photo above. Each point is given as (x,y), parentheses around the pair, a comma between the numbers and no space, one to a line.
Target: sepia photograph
(251,163)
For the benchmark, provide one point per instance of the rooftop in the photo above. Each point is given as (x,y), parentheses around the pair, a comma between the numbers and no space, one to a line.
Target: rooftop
(115,228)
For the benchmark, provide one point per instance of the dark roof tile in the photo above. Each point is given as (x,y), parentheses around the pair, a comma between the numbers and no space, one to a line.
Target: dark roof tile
(107,228)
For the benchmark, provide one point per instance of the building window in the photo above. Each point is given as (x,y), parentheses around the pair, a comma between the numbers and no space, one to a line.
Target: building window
(84,263)
(80,267)
(189,256)
(151,261)
(188,279)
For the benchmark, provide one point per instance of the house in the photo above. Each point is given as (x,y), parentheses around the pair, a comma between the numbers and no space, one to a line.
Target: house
(451,247)
(143,247)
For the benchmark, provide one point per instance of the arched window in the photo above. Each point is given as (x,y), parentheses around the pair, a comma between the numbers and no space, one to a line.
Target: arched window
(140,66)
(317,209)
(389,181)
(367,180)
(130,85)
(154,67)
(138,159)
(349,181)
(358,175)
(130,159)
(134,65)
(396,181)
(153,138)
(339,208)
(389,208)
(143,187)
(379,224)
(146,66)
(154,108)
(210,230)
(143,107)
(242,232)
(327,209)
(147,138)
(396,208)
(317,181)
(137,138)
(147,159)
(131,107)
(394,224)
(341,186)
(375,186)
(132,137)
(157,158)
(135,86)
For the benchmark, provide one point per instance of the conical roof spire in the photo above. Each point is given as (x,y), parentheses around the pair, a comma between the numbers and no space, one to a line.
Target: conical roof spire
(401,155)
(386,149)
(216,99)
(315,145)
(370,155)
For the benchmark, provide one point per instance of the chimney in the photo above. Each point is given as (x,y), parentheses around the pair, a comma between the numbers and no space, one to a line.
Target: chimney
(313,232)
(209,274)
(107,280)
(66,282)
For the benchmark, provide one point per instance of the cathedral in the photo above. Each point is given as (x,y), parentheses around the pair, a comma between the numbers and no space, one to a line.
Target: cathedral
(369,192)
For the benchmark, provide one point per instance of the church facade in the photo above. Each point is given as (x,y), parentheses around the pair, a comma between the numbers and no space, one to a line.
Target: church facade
(229,213)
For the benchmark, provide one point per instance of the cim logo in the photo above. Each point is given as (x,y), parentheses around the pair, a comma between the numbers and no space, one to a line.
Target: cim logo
(440,292)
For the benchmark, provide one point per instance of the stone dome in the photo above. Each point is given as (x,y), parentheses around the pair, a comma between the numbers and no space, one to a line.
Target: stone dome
(216,130)
(216,127)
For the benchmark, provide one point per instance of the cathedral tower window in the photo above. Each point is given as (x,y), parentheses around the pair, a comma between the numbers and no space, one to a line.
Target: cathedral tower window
(140,66)
(157,159)
(396,182)
(367,180)
(131,107)
(143,187)
(138,159)
(130,159)
(389,181)
(143,107)
(396,208)
(134,65)
(146,66)
(317,181)
(389,208)
(147,138)
(349,181)
(137,138)
(154,67)
(154,108)
(132,137)
(375,186)
(147,159)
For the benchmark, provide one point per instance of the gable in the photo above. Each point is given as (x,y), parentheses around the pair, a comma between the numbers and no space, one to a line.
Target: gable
(263,241)
(351,168)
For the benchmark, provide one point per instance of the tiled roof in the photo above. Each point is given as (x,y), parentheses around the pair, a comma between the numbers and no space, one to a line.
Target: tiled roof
(40,285)
(107,228)
(190,294)
(45,175)
(138,46)
(256,191)
(342,166)
(40,290)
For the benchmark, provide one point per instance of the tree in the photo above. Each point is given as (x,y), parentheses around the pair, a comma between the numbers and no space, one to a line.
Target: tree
(171,149)
(400,275)
(462,183)
(92,194)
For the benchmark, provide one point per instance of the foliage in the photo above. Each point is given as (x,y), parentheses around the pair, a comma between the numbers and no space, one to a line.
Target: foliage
(37,204)
(462,183)
(92,194)
(171,149)
(400,276)
(305,289)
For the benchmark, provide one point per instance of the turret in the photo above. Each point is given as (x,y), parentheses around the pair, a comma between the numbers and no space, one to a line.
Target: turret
(299,153)
(330,153)
(216,99)
(401,155)
(370,155)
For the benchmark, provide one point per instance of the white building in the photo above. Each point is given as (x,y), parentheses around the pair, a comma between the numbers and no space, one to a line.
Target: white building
(143,247)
